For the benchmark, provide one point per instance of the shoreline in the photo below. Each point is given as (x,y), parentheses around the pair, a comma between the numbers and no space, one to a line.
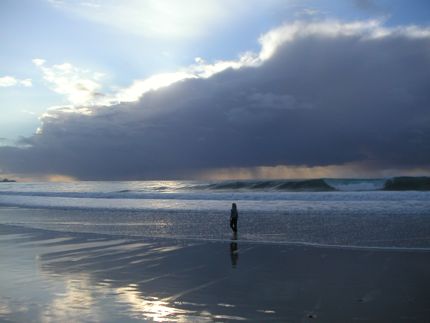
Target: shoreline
(238,240)
(45,273)
(397,233)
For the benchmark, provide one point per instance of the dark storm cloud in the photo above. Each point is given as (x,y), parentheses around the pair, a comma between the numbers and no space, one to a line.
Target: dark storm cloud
(321,99)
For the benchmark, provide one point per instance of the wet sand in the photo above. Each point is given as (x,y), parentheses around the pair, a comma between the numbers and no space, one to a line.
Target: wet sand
(48,276)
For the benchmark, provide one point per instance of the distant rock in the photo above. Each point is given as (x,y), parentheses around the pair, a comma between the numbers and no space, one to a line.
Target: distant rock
(5,180)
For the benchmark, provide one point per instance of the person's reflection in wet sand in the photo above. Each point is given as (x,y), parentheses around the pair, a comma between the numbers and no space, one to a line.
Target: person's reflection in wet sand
(234,253)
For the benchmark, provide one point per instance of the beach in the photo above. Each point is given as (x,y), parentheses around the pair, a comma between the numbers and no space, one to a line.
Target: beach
(164,252)
(49,276)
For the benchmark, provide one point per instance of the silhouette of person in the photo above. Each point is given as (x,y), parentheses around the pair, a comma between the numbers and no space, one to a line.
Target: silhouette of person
(234,215)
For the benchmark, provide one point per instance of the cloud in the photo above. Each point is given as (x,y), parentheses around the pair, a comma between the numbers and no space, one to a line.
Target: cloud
(79,86)
(139,87)
(38,61)
(318,94)
(8,81)
(26,82)
(200,70)
(82,88)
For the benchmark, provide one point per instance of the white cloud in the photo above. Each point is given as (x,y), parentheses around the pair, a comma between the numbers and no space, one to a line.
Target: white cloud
(199,60)
(38,61)
(79,86)
(367,29)
(82,87)
(199,70)
(139,87)
(26,82)
(7,81)
(299,29)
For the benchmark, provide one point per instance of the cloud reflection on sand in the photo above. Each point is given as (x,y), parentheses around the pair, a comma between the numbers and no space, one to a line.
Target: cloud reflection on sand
(150,307)
(55,279)
(4,308)
(79,301)
(75,301)
(83,286)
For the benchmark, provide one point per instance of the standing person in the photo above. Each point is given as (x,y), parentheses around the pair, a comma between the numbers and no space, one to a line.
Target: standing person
(234,215)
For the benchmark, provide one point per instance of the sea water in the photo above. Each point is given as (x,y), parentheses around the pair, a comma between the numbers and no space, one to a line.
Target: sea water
(342,213)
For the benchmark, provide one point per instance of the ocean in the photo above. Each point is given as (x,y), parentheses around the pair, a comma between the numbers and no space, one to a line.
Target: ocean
(162,251)
(348,213)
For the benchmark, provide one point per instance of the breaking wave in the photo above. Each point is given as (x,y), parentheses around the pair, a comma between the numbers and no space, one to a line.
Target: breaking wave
(210,190)
(325,185)
(301,185)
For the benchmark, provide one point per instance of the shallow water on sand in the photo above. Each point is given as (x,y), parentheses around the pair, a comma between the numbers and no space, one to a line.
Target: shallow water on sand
(340,228)
(49,276)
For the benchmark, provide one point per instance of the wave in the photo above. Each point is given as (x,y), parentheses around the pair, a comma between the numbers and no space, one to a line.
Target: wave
(354,185)
(308,185)
(406,183)
(213,190)
(275,185)
(327,185)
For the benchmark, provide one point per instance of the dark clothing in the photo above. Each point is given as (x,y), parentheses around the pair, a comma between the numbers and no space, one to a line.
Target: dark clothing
(233,224)
(233,219)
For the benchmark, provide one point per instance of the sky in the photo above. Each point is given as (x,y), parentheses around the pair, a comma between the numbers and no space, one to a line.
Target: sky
(218,89)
